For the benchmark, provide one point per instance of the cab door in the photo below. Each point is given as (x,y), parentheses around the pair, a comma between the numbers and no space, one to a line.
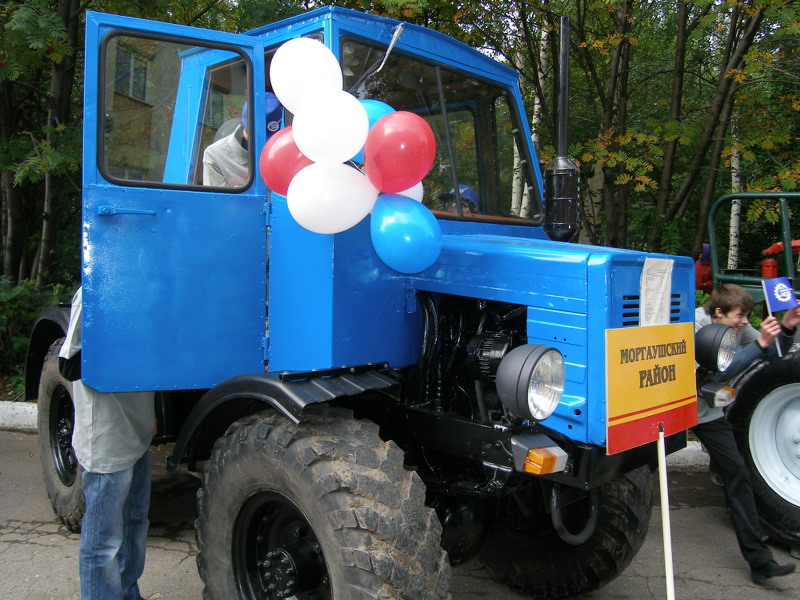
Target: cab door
(174,271)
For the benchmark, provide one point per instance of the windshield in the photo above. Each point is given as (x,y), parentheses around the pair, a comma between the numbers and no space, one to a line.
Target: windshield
(484,152)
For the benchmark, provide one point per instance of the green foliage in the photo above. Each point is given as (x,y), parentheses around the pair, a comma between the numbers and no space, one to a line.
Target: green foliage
(33,37)
(62,156)
(642,220)
(700,298)
(19,306)
(244,15)
(766,210)
(673,238)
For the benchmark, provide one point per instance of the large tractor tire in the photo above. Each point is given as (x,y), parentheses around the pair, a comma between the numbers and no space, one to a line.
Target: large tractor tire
(56,419)
(766,424)
(524,551)
(323,509)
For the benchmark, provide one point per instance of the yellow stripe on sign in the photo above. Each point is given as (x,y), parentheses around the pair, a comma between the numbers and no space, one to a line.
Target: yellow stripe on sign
(652,411)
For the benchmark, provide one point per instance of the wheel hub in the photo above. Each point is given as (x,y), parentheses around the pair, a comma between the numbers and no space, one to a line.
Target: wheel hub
(276,554)
(788,436)
(292,570)
(62,419)
(774,437)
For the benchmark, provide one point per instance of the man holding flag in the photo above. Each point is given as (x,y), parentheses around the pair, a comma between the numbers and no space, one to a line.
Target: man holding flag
(731,305)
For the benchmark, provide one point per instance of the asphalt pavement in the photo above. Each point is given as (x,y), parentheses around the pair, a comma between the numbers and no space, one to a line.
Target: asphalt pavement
(38,556)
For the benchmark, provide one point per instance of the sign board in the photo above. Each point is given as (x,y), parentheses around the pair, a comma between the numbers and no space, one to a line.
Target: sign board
(650,379)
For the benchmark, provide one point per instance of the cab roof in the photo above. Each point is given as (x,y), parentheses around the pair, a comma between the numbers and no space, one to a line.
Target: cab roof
(337,23)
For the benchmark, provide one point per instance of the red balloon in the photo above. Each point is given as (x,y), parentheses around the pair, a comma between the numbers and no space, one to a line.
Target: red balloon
(399,151)
(281,160)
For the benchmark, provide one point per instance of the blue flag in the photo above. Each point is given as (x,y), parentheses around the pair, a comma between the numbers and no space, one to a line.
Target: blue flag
(779,294)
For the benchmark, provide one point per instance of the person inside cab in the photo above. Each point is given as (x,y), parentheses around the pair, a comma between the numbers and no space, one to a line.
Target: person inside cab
(226,162)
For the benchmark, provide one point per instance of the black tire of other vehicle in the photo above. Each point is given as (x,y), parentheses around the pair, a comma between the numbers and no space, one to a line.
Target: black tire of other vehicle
(535,561)
(322,509)
(56,420)
(766,425)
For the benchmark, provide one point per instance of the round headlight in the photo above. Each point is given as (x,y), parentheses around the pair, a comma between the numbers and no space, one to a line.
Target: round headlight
(530,381)
(714,346)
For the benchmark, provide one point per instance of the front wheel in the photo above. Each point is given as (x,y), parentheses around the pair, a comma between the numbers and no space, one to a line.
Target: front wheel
(56,420)
(524,551)
(323,509)
(766,424)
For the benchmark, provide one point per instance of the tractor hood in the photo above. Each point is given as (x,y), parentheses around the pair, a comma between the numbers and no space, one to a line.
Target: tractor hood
(530,272)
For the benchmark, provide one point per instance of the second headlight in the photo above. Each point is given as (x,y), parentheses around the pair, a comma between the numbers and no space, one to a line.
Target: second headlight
(530,381)
(714,346)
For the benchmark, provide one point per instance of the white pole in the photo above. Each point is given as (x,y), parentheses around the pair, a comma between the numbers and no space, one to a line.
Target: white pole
(665,526)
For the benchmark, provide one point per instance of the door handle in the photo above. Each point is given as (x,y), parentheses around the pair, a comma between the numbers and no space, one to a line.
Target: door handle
(107,210)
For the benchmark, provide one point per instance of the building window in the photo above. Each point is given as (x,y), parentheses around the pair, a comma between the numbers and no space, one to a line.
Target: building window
(130,75)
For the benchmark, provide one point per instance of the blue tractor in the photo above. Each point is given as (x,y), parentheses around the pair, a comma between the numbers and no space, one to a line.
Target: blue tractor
(358,429)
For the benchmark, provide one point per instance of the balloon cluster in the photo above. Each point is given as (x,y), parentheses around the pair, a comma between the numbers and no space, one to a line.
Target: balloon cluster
(311,161)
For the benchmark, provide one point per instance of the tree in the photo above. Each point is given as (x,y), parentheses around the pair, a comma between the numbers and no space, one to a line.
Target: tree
(35,42)
(40,118)
(59,118)
(656,88)
(743,24)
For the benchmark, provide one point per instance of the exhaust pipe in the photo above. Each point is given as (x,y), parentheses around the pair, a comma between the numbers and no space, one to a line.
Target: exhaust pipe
(561,178)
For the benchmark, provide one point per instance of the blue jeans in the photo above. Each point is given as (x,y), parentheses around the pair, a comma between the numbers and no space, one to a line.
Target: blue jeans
(114,532)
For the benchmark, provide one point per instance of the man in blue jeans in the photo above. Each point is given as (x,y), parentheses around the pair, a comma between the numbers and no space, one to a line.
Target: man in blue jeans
(111,439)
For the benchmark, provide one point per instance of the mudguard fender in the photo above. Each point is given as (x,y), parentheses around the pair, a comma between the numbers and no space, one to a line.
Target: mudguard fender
(287,397)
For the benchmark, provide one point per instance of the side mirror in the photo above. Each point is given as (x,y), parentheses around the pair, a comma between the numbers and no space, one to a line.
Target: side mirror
(714,346)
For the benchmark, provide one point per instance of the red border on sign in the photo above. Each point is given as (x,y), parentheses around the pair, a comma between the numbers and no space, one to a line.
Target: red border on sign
(641,431)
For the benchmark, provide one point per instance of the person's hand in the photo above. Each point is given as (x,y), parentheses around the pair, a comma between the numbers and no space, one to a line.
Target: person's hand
(769,330)
(791,318)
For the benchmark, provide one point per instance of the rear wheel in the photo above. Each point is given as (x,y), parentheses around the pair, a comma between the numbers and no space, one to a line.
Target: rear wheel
(323,509)
(766,424)
(56,420)
(524,551)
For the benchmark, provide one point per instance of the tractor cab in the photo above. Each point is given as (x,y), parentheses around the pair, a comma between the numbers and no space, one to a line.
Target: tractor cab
(165,247)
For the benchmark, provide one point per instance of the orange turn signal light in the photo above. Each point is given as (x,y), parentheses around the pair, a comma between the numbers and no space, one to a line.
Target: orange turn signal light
(724,396)
(541,461)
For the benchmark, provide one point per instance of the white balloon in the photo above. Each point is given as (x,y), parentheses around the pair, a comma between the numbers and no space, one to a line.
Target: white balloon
(415,192)
(301,68)
(329,198)
(330,126)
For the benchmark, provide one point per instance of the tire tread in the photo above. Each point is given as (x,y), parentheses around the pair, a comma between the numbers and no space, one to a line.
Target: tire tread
(373,506)
(67,501)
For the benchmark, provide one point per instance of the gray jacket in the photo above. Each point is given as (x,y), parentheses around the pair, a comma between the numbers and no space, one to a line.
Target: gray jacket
(112,430)
(226,163)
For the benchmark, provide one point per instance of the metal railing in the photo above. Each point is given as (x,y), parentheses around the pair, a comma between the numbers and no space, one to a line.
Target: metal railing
(782,198)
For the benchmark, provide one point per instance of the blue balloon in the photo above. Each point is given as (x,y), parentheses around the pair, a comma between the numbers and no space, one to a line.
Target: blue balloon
(376,110)
(405,234)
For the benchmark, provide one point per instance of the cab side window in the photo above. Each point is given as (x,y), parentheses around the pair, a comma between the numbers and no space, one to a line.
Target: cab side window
(163,103)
